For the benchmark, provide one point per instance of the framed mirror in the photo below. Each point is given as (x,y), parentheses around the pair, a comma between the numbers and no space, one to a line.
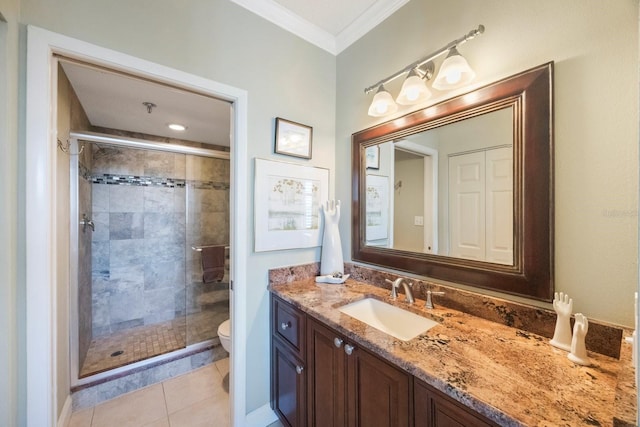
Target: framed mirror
(463,190)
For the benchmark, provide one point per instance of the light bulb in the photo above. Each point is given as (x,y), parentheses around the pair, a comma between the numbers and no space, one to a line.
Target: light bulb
(453,76)
(413,90)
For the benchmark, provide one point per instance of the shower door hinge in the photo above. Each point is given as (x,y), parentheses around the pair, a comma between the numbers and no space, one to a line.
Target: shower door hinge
(231,284)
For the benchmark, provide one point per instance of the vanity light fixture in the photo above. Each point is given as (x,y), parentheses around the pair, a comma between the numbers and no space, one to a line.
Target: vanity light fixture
(454,72)
(177,127)
(382,103)
(414,89)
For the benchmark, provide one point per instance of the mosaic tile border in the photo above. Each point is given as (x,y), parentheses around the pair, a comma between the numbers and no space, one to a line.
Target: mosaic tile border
(149,181)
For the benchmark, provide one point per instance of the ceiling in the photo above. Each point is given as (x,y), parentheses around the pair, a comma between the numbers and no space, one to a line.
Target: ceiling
(114,100)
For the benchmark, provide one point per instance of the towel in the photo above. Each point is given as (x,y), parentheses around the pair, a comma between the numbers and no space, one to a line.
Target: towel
(212,264)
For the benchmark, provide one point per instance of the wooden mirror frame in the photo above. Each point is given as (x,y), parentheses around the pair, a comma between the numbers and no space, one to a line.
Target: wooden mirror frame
(530,94)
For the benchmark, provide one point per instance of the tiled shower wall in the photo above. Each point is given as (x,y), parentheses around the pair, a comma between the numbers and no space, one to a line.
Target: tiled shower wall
(141,248)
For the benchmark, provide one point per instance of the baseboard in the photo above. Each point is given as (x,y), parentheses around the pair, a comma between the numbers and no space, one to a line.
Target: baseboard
(261,417)
(65,414)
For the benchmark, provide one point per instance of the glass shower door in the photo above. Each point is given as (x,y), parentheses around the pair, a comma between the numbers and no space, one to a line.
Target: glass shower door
(207,231)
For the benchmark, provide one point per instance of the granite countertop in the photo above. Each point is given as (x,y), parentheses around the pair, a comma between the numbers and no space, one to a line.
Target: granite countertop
(511,376)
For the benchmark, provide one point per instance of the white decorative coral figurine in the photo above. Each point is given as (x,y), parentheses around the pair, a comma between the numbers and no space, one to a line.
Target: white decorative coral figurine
(331,260)
(563,305)
(578,349)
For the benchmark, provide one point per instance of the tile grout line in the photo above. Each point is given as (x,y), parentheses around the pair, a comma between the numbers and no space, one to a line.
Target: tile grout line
(166,405)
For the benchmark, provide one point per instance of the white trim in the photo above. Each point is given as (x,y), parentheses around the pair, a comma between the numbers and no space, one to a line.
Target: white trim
(414,148)
(40,210)
(263,416)
(65,414)
(39,248)
(286,19)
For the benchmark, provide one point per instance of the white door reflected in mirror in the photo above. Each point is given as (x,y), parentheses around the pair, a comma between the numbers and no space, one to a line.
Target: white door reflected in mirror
(446,191)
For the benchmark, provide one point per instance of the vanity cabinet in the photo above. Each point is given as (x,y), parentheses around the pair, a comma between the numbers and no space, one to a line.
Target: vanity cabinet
(435,409)
(288,373)
(320,378)
(349,386)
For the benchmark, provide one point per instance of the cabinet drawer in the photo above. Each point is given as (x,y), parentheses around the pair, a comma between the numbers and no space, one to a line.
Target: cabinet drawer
(288,324)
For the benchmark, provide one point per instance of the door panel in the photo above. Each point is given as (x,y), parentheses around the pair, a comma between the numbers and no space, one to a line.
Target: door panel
(467,206)
(499,195)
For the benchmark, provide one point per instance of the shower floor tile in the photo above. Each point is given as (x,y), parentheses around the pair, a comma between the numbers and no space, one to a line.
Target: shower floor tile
(142,342)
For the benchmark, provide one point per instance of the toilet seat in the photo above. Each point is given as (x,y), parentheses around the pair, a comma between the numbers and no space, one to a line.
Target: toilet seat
(225,328)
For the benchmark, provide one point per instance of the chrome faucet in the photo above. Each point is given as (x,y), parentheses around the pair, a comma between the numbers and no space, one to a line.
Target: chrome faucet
(407,289)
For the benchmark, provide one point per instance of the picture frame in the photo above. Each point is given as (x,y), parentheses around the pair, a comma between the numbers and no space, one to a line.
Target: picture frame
(377,208)
(293,139)
(288,200)
(372,157)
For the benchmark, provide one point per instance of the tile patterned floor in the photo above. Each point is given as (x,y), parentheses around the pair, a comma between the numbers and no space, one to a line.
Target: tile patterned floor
(197,399)
(143,342)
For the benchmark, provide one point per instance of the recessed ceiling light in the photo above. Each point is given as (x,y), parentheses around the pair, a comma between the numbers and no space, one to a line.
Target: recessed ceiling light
(177,127)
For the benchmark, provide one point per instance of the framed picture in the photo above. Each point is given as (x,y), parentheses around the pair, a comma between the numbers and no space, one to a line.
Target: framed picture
(293,139)
(372,157)
(288,202)
(377,208)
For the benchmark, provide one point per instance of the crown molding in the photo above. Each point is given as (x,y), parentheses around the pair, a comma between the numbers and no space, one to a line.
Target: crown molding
(373,16)
(284,18)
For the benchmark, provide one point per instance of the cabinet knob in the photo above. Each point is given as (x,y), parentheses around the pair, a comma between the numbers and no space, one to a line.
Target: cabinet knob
(348,348)
(337,342)
(299,369)
(285,325)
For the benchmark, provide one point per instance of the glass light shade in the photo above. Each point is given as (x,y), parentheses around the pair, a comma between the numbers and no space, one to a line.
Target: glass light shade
(382,103)
(454,72)
(414,90)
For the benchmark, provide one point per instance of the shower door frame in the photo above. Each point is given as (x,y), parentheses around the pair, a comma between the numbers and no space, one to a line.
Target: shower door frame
(39,252)
(74,214)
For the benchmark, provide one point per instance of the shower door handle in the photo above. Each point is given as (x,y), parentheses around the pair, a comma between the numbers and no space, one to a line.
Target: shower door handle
(86,222)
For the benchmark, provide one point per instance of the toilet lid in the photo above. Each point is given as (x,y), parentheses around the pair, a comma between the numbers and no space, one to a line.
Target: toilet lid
(225,328)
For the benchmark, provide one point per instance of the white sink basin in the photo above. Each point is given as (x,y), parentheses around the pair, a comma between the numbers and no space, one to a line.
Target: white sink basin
(389,319)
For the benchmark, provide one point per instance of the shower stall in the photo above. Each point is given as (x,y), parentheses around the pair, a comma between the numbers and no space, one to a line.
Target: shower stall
(144,211)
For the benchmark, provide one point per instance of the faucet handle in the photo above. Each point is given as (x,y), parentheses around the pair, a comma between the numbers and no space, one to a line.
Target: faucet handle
(429,303)
(394,291)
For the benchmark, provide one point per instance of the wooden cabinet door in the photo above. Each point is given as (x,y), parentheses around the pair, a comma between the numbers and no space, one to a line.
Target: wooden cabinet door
(379,395)
(326,377)
(434,409)
(288,383)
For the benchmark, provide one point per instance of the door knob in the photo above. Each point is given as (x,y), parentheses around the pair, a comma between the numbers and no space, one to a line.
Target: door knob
(337,342)
(299,369)
(285,325)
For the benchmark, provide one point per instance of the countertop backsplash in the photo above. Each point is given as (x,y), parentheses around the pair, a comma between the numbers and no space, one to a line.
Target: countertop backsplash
(602,338)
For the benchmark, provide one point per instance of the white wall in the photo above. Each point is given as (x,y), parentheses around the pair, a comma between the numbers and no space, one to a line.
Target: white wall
(283,75)
(595,48)
(9,352)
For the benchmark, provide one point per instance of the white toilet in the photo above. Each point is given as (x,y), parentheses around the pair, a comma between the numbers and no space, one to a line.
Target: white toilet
(224,332)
